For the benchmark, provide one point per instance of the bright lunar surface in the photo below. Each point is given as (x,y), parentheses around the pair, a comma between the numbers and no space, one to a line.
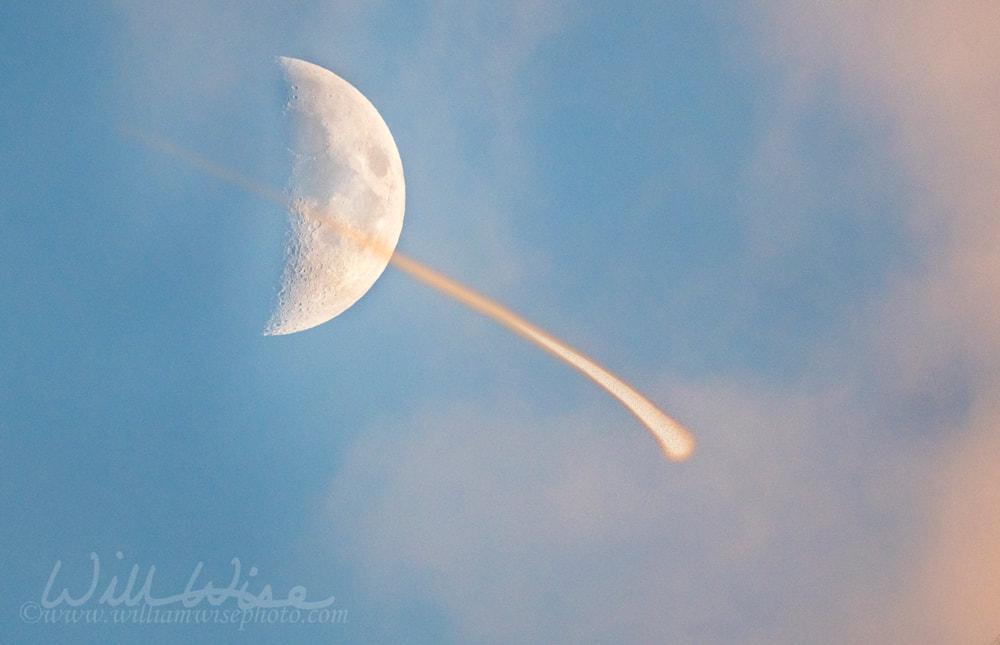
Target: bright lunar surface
(347,196)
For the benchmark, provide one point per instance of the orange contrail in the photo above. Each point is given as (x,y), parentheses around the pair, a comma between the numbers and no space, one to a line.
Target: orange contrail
(675,440)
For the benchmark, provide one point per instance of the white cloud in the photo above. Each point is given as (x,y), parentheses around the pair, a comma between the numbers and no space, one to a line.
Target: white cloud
(575,529)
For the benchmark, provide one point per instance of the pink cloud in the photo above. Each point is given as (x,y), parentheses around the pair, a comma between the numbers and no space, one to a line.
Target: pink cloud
(928,70)
(506,524)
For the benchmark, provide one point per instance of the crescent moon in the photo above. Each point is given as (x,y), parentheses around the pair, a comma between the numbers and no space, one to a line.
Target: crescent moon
(346,175)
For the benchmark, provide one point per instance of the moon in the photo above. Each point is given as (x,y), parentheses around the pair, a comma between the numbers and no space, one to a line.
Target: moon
(346,176)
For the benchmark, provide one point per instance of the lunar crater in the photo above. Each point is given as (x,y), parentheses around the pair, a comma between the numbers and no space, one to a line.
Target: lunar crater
(347,194)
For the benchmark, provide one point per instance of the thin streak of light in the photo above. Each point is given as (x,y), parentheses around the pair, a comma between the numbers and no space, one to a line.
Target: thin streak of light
(676,441)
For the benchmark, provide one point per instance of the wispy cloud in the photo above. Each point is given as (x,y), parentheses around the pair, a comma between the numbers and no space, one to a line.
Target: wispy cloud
(927,71)
(800,504)
(573,529)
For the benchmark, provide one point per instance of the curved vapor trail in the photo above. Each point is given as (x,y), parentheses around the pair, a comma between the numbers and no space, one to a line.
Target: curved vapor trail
(676,441)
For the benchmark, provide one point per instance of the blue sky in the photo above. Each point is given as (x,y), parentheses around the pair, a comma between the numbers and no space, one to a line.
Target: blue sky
(778,222)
